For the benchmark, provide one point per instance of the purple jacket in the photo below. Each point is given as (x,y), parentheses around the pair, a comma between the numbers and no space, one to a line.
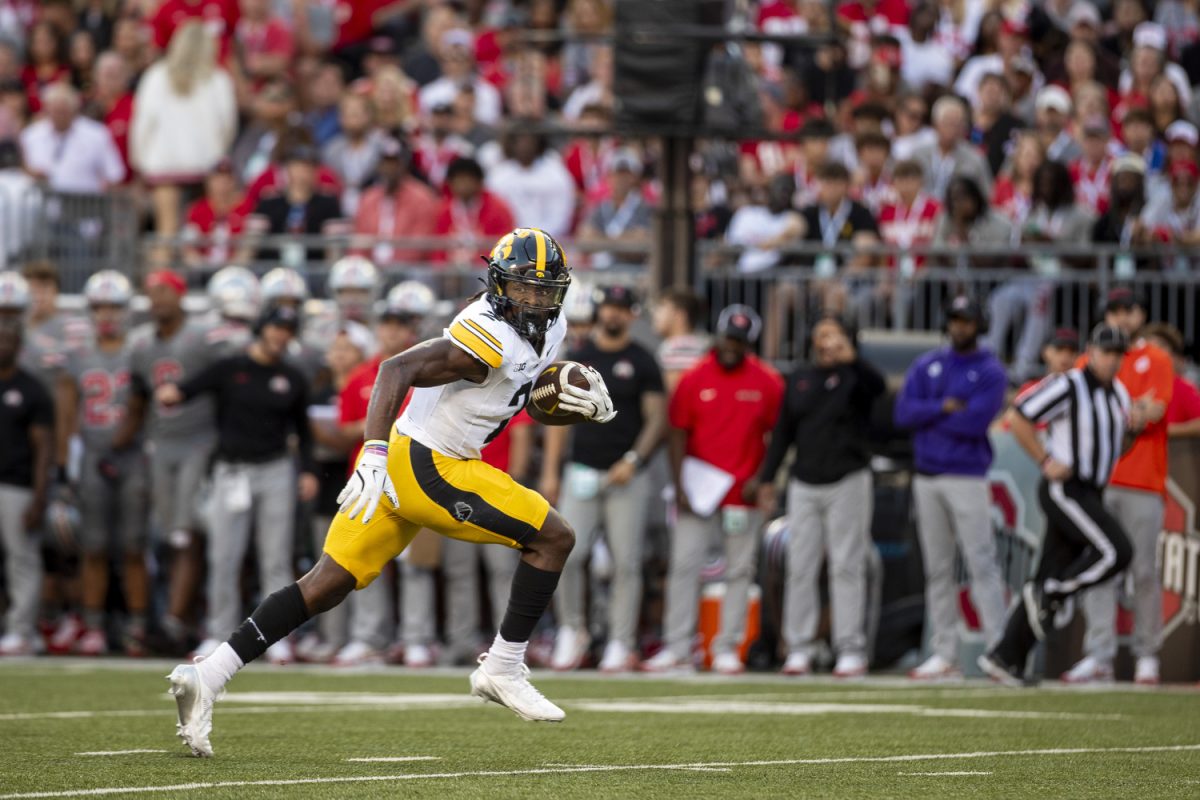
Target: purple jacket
(951,444)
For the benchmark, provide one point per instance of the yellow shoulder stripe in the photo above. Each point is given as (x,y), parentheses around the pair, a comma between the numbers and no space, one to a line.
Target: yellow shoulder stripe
(540,239)
(480,348)
(482,331)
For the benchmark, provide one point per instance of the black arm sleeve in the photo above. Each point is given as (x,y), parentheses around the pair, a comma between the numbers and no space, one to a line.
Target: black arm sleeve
(206,380)
(783,435)
(303,430)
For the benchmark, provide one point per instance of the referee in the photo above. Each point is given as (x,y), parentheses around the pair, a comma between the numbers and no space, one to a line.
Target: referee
(1089,423)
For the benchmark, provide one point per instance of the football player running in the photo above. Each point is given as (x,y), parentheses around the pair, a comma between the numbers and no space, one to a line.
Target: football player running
(424,470)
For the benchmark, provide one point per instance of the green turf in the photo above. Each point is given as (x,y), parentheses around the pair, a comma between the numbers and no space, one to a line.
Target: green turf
(263,741)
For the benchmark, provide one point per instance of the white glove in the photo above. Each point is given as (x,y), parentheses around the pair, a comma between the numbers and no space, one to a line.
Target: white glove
(593,403)
(369,481)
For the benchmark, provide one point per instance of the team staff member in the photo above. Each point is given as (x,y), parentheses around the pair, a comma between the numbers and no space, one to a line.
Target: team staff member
(721,414)
(949,399)
(113,487)
(826,414)
(676,319)
(1135,498)
(1086,411)
(26,427)
(1183,412)
(262,399)
(606,485)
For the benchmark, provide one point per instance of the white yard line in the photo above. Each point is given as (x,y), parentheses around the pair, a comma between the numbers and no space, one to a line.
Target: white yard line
(942,774)
(183,787)
(117,752)
(392,759)
(682,769)
(701,705)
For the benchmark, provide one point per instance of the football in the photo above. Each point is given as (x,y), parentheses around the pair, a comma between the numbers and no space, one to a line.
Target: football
(550,384)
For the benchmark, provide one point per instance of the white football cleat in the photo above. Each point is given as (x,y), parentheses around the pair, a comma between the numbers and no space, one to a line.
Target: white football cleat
(797,663)
(93,643)
(570,647)
(1146,671)
(357,654)
(728,664)
(1089,669)
(514,692)
(418,656)
(935,668)
(666,661)
(194,704)
(14,644)
(617,658)
(850,665)
(280,653)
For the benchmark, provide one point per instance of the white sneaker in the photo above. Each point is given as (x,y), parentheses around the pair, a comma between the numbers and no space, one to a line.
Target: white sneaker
(935,668)
(356,654)
(206,648)
(68,631)
(798,663)
(93,643)
(1146,671)
(515,692)
(194,705)
(728,664)
(14,644)
(850,665)
(570,647)
(617,658)
(665,661)
(280,653)
(1089,669)
(418,656)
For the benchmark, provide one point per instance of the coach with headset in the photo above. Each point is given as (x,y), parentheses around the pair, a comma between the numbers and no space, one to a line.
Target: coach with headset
(949,399)
(262,399)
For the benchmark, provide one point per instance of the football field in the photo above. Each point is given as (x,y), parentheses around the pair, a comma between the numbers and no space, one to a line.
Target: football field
(71,728)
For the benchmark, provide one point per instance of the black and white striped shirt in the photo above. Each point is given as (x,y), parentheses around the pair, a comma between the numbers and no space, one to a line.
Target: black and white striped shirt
(1085,422)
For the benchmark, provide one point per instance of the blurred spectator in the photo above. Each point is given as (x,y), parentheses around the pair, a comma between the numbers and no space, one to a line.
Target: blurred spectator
(111,102)
(300,209)
(1148,61)
(1122,223)
(909,220)
(1055,218)
(263,42)
(354,153)
(97,18)
(397,206)
(213,223)
(912,130)
(481,137)
(584,17)
(261,399)
(607,486)
(1183,412)
(598,91)
(834,218)
(762,228)
(10,61)
(949,399)
(1079,68)
(1024,81)
(1176,219)
(69,152)
(1089,173)
(624,216)
(710,212)
(129,41)
(273,179)
(816,139)
(45,63)
(457,62)
(1012,196)
(825,415)
(724,446)
(925,61)
(951,155)
(873,180)
(438,144)
(1126,16)
(534,182)
(866,118)
(470,212)
(968,219)
(993,125)
(184,120)
(1085,27)
(82,59)
(20,205)
(393,94)
(1012,40)
(1137,132)
(677,322)
(272,108)
(26,427)
(1053,113)
(218,17)
(958,25)
(422,62)
(323,94)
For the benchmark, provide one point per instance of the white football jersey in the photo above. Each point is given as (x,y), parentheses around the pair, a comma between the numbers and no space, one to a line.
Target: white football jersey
(459,418)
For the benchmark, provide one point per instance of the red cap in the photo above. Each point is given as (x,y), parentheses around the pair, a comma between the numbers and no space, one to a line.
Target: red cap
(1185,168)
(1013,28)
(165,277)
(888,56)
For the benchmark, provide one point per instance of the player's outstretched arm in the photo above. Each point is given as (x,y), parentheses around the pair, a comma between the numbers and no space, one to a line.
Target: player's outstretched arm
(432,363)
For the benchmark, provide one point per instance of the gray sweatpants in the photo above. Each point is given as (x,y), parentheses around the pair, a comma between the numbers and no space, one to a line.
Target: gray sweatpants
(1141,515)
(460,571)
(113,510)
(1024,296)
(365,616)
(621,512)
(418,606)
(689,549)
(953,513)
(22,562)
(177,470)
(271,488)
(833,522)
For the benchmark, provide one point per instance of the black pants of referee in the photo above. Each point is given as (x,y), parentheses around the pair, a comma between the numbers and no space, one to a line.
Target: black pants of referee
(1084,545)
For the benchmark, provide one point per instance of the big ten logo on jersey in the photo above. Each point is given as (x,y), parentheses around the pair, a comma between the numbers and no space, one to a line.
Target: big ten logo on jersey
(166,370)
(100,388)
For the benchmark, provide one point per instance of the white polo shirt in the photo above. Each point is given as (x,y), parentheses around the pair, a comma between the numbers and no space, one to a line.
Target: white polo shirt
(82,159)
